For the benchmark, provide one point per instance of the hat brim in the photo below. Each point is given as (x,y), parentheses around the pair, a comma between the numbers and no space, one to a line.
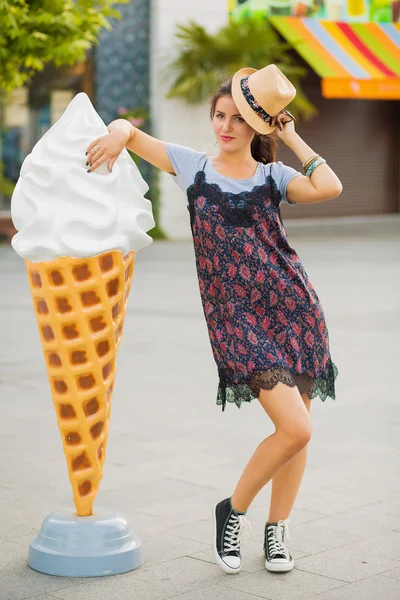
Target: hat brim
(245,110)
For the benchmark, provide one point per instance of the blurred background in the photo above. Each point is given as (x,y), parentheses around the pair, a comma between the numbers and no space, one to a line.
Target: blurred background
(156,62)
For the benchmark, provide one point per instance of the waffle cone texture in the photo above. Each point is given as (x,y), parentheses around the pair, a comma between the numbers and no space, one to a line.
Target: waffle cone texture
(80,306)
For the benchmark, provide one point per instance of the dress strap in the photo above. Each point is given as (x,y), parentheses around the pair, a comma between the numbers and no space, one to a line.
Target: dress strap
(266,174)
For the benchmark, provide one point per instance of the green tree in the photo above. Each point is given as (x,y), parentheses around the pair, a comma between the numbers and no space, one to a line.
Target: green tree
(204,60)
(34,33)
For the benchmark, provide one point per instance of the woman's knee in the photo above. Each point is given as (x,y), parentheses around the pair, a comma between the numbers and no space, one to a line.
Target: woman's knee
(296,434)
(286,408)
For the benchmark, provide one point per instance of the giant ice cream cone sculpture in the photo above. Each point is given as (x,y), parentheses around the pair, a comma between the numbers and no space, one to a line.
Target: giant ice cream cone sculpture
(78,233)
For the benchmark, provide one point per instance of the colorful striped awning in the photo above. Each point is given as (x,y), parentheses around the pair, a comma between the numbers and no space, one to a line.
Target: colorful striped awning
(355,60)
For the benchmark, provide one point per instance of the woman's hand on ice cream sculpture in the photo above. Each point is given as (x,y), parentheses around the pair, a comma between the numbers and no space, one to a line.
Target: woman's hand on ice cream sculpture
(109,147)
(123,134)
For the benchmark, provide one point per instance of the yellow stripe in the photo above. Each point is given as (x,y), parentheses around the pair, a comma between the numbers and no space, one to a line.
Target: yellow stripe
(355,54)
(232,5)
(321,52)
(386,43)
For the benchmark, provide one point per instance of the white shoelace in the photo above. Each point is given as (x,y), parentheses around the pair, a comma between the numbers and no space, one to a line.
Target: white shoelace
(276,536)
(236,531)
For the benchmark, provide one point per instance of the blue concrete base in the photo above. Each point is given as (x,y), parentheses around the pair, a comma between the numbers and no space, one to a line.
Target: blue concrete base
(95,546)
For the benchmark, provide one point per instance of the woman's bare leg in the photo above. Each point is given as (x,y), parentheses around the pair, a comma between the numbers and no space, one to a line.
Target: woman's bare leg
(286,483)
(285,407)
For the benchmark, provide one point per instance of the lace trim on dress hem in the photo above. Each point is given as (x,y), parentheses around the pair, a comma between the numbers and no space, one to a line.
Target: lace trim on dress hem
(246,391)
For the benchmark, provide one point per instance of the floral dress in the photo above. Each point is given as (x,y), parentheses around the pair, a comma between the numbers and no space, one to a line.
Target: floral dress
(265,322)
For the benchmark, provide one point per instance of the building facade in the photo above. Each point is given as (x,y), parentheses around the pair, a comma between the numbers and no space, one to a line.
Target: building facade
(173,120)
(360,138)
(365,156)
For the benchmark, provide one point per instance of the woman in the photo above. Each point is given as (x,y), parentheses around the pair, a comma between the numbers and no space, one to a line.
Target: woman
(265,322)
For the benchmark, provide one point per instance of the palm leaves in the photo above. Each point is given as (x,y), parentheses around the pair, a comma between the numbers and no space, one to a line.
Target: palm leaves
(204,60)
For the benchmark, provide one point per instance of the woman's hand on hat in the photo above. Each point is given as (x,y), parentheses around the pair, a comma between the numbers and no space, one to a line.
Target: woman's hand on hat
(285,124)
(106,148)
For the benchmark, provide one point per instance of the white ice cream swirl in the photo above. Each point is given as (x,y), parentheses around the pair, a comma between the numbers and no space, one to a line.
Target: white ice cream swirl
(61,210)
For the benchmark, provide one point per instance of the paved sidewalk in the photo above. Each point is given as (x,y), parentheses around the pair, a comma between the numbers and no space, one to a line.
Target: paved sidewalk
(172,453)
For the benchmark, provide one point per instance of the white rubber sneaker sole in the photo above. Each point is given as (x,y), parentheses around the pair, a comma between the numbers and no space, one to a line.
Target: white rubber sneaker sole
(218,559)
(279,567)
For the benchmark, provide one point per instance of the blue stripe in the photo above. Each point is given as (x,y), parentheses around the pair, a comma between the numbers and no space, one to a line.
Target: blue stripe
(318,31)
(391,32)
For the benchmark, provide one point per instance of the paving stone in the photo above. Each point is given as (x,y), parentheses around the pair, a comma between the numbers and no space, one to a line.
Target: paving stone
(183,574)
(163,547)
(200,531)
(373,588)
(386,545)
(389,506)
(395,573)
(345,564)
(295,585)
(41,597)
(123,587)
(364,521)
(315,537)
(215,592)
(19,581)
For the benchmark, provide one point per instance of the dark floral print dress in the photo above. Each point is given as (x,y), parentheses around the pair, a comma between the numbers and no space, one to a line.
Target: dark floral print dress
(265,322)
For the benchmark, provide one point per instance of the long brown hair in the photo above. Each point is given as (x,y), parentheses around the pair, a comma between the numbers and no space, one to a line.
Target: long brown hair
(263,147)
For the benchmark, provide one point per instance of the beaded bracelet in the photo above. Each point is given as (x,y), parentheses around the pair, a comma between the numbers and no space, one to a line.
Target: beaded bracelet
(309,162)
(315,164)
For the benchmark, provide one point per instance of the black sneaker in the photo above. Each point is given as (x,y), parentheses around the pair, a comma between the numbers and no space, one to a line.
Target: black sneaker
(228,526)
(278,558)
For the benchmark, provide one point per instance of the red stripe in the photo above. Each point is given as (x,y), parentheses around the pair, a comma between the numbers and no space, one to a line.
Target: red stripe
(359,44)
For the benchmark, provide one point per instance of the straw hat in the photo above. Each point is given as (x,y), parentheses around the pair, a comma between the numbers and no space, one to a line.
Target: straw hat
(260,95)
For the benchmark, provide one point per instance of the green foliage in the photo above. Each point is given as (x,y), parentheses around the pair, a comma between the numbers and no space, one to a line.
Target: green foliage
(156,233)
(6,185)
(205,60)
(34,33)
(138,117)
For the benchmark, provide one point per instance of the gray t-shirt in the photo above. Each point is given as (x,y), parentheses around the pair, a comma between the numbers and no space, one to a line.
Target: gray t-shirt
(188,162)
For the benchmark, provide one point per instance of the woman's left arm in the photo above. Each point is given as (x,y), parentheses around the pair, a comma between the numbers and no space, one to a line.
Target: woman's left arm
(323,185)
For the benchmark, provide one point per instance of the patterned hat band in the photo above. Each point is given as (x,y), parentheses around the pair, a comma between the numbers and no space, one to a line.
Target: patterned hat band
(252,102)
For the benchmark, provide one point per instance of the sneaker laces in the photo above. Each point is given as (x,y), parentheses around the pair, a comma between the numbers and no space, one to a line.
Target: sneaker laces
(277,534)
(283,530)
(237,530)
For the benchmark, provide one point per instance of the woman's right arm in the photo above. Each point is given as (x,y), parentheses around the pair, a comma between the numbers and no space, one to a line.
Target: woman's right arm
(123,134)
